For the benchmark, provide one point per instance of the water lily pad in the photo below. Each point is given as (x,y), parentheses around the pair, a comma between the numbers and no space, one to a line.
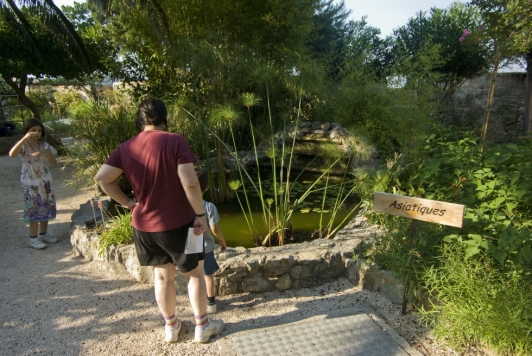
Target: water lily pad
(317,210)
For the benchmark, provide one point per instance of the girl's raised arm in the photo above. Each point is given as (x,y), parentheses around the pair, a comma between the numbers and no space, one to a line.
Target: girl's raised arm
(17,148)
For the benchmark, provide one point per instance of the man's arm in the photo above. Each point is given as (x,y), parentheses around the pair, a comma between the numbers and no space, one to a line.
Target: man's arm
(106,178)
(190,183)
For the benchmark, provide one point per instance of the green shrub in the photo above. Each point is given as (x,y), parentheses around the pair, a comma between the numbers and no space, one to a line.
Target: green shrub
(64,101)
(476,303)
(491,181)
(42,98)
(99,127)
(118,232)
(54,124)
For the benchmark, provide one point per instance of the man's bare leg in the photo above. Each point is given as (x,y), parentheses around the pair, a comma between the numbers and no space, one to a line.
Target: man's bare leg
(165,288)
(197,291)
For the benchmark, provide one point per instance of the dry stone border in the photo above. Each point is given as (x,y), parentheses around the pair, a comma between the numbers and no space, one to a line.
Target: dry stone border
(259,269)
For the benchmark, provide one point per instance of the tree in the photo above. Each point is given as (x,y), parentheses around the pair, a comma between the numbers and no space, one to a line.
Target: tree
(508,24)
(365,52)
(327,40)
(520,15)
(97,40)
(50,45)
(442,28)
(213,51)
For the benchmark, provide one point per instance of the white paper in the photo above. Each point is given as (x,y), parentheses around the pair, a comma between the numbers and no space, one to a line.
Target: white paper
(194,243)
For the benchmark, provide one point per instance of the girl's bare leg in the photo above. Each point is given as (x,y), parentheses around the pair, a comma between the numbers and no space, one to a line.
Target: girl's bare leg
(44,227)
(209,282)
(34,225)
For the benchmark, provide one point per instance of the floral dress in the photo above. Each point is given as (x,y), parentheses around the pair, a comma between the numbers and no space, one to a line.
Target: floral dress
(37,187)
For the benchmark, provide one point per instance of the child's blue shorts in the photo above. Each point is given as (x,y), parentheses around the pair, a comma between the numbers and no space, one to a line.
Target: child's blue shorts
(210,265)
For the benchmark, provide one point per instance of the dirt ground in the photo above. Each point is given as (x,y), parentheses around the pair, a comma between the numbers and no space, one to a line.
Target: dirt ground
(53,303)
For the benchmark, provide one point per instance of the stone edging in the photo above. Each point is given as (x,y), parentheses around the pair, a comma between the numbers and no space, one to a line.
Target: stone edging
(259,269)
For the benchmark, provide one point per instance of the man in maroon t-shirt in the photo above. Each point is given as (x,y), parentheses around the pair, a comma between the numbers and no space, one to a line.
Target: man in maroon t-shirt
(168,202)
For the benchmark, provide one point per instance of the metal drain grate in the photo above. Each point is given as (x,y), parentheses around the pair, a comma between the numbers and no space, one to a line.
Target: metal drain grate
(341,336)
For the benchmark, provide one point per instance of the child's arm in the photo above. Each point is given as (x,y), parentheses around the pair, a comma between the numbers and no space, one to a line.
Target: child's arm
(218,233)
(48,154)
(17,148)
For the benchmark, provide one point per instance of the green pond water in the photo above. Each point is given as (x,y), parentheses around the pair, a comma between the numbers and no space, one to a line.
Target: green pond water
(236,231)
(305,218)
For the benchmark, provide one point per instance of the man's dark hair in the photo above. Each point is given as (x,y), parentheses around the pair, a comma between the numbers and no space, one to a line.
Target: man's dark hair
(152,111)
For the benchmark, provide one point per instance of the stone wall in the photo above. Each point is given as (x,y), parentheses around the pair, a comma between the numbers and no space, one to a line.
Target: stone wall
(257,269)
(469,103)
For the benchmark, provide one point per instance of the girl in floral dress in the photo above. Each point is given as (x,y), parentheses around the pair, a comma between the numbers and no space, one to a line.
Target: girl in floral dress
(36,183)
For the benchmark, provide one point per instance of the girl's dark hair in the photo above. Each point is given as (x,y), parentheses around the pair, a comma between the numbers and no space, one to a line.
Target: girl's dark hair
(29,123)
(152,111)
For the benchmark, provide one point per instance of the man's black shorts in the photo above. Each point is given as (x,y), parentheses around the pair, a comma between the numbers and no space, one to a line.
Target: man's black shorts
(160,248)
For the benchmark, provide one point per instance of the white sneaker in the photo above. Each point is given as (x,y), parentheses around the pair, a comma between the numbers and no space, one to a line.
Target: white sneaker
(211,308)
(215,327)
(172,334)
(47,238)
(36,243)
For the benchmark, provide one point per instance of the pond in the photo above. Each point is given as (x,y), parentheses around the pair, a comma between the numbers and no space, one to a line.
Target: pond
(306,216)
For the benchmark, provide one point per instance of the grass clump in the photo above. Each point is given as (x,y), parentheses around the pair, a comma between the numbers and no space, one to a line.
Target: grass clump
(118,232)
(476,303)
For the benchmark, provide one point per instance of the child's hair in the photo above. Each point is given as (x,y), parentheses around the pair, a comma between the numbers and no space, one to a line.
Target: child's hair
(203,179)
(29,123)
(152,111)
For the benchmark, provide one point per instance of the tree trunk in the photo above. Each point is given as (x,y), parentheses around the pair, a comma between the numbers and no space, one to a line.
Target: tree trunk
(490,95)
(527,119)
(20,89)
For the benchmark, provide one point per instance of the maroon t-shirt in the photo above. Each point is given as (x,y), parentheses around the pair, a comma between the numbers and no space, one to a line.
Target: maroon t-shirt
(149,161)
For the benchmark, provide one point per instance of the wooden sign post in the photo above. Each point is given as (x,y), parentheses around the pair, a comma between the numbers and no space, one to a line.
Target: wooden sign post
(418,209)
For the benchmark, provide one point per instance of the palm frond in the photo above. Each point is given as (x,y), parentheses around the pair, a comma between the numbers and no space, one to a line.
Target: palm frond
(15,18)
(53,20)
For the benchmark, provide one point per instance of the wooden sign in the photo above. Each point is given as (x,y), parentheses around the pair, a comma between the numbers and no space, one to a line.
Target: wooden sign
(419,209)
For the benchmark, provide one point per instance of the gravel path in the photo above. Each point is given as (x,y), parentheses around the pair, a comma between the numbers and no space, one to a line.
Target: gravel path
(53,303)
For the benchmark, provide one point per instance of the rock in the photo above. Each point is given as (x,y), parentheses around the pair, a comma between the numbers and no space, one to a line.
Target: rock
(384,281)
(317,131)
(284,282)
(255,284)
(355,271)
(299,272)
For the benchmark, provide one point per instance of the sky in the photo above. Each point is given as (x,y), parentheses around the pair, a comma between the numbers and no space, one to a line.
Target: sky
(390,14)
